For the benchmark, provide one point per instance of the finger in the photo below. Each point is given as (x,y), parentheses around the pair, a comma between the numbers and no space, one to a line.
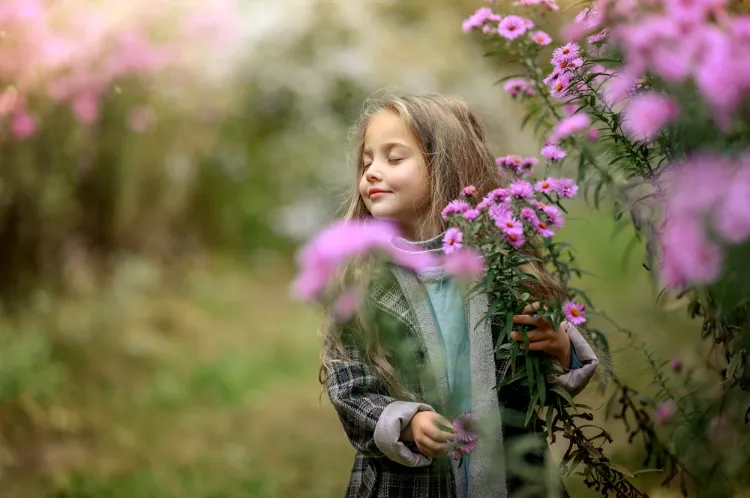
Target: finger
(531,308)
(538,346)
(435,433)
(430,447)
(533,335)
(524,319)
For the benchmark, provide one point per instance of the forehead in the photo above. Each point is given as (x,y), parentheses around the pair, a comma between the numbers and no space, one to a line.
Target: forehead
(387,127)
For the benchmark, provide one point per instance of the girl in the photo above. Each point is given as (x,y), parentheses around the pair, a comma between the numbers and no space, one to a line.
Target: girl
(419,351)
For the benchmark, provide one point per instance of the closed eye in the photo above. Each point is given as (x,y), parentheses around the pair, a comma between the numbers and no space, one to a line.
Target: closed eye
(395,160)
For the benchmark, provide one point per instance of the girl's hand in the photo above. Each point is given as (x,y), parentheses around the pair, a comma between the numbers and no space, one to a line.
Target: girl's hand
(425,430)
(545,338)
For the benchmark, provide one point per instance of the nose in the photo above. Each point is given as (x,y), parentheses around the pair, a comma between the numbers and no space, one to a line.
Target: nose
(372,175)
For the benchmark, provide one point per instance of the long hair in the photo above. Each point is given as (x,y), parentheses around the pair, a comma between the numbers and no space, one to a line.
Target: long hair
(455,149)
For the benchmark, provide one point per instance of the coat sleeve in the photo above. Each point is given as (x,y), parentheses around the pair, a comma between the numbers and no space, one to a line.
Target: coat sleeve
(372,419)
(575,380)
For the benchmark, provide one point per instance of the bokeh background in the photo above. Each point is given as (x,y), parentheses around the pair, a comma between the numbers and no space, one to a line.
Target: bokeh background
(161,161)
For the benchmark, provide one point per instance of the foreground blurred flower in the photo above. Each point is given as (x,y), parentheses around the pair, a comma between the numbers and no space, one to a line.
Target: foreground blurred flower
(327,252)
(464,263)
(646,114)
(346,305)
(570,126)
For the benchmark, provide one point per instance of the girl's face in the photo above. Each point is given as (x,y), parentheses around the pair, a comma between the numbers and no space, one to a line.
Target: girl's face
(394,185)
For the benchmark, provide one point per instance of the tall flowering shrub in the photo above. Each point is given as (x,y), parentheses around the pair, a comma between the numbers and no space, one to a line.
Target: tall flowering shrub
(649,100)
(97,99)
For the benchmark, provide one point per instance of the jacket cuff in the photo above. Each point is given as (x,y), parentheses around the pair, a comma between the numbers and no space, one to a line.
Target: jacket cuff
(576,380)
(394,419)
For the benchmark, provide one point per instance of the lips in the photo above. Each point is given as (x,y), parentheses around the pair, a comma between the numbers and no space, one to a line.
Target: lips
(374,193)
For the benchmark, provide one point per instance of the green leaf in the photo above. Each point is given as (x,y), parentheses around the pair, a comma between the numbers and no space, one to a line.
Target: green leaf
(549,419)
(564,395)
(541,388)
(733,364)
(532,406)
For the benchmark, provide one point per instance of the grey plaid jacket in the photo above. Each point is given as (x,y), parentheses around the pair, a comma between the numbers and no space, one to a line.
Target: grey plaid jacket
(372,419)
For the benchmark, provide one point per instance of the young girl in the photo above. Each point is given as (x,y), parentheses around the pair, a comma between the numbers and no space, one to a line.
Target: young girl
(419,352)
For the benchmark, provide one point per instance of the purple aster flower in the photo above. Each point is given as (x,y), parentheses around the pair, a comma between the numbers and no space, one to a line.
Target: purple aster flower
(512,27)
(566,187)
(567,52)
(469,191)
(554,215)
(542,228)
(541,38)
(528,214)
(508,224)
(553,152)
(570,126)
(499,195)
(575,312)
(471,214)
(514,239)
(521,189)
(547,186)
(452,240)
(454,207)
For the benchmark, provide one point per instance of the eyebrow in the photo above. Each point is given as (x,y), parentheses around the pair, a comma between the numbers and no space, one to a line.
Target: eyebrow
(367,151)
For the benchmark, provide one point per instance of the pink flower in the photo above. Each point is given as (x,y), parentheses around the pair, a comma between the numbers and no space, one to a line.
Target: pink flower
(546,186)
(519,86)
(575,312)
(514,239)
(512,162)
(508,224)
(541,38)
(554,215)
(465,428)
(676,364)
(452,240)
(566,187)
(665,411)
(512,27)
(479,19)
(454,207)
(646,114)
(86,107)
(24,125)
(688,256)
(140,118)
(528,214)
(542,228)
(346,305)
(570,126)
(619,86)
(560,87)
(521,189)
(553,152)
(324,255)
(528,163)
(469,191)
(499,195)
(598,37)
(733,213)
(464,263)
(499,212)
(471,214)
(566,53)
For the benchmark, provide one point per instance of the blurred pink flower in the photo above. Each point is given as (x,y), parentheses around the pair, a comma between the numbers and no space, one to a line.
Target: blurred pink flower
(541,38)
(733,213)
(570,126)
(454,207)
(24,125)
(464,263)
(140,118)
(665,411)
(471,214)
(566,187)
(646,114)
(346,305)
(86,107)
(521,189)
(479,19)
(689,257)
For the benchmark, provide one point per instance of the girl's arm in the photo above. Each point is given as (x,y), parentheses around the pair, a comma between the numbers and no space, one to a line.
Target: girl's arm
(372,419)
(575,380)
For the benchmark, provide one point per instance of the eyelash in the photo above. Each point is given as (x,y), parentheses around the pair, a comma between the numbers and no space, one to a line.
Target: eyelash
(394,160)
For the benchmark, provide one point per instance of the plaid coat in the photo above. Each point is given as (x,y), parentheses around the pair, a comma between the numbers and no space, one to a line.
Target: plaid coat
(398,304)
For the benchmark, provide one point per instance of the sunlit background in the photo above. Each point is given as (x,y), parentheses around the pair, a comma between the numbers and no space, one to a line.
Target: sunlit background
(161,161)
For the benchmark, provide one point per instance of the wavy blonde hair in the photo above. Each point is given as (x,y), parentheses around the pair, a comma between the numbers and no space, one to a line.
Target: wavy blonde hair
(457,154)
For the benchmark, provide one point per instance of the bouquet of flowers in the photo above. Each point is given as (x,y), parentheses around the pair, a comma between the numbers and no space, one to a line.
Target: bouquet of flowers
(507,231)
